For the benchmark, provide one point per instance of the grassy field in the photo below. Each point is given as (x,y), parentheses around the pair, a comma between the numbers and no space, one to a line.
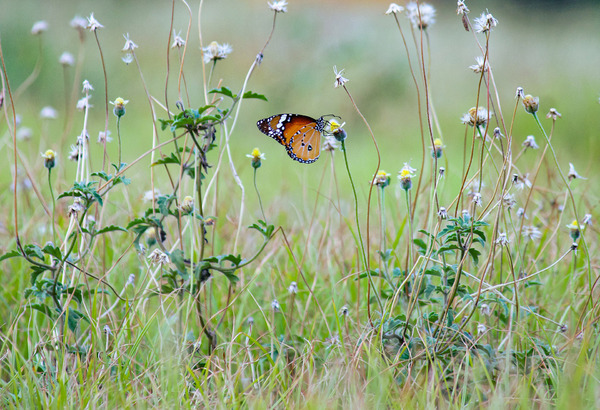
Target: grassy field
(436,255)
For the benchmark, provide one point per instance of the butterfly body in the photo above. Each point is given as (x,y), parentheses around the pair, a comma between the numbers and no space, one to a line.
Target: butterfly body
(299,134)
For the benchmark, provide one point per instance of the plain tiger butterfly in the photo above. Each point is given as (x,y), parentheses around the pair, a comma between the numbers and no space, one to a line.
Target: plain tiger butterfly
(299,134)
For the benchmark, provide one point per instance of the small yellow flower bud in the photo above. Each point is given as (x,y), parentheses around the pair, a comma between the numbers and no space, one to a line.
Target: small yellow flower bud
(531,103)
(49,159)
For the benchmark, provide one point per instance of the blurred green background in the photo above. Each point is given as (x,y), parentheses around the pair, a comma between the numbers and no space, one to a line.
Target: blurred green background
(550,48)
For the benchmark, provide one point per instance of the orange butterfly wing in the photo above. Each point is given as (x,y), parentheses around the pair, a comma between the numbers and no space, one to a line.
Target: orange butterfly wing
(300,134)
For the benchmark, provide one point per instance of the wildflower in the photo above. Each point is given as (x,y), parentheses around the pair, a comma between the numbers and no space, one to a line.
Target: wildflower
(521,182)
(573,174)
(553,114)
(509,201)
(382,179)
(480,65)
(210,221)
(344,310)
(521,213)
(187,205)
(337,131)
(216,51)
(461,8)
(119,104)
(48,113)
(486,22)
(531,103)
(159,257)
(405,176)
(394,8)
(93,24)
(24,134)
(74,153)
(481,328)
(520,93)
(502,239)
(530,142)
(278,6)
(442,171)
(339,79)
(66,59)
(330,143)
(84,103)
(574,230)
(129,44)
(421,16)
(293,288)
(438,148)
(76,208)
(443,213)
(178,42)
(497,133)
(127,58)
(104,137)
(485,309)
(477,199)
(275,305)
(531,232)
(130,280)
(257,157)
(476,117)
(587,219)
(87,86)
(79,23)
(49,159)
(39,27)
(153,234)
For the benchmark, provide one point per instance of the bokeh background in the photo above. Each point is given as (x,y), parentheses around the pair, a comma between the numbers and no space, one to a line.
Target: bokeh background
(551,48)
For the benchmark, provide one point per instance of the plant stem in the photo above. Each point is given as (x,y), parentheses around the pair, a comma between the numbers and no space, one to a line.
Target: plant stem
(259,200)
(53,205)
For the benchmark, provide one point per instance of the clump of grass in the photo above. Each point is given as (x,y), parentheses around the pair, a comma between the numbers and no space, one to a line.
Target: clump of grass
(476,292)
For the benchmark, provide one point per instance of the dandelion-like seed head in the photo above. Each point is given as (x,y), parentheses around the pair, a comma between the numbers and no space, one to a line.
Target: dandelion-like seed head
(476,198)
(344,310)
(119,104)
(74,153)
(498,133)
(76,208)
(84,103)
(521,181)
(79,23)
(104,137)
(520,93)
(552,113)
(330,143)
(480,65)
(279,6)
(187,205)
(93,24)
(24,134)
(293,288)
(531,233)
(476,117)
(509,201)
(531,103)
(485,309)
(158,257)
(48,113)
(340,80)
(127,58)
(382,179)
(485,23)
(573,173)
(530,142)
(49,159)
(394,9)
(256,157)
(275,305)
(129,44)
(66,59)
(502,239)
(442,171)
(521,213)
(443,213)
(461,8)
(421,15)
(178,41)
(481,329)
(216,51)
(39,27)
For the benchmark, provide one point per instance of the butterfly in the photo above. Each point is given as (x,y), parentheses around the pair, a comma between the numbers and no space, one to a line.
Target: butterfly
(299,134)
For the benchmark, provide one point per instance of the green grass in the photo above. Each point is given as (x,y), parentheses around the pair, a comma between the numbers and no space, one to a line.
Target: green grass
(393,305)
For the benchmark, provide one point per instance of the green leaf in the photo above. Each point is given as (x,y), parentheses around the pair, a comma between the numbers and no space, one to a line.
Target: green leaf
(110,228)
(52,250)
(250,94)
(421,244)
(223,90)
(474,255)
(74,316)
(32,250)
(178,260)
(45,309)
(10,254)
(173,159)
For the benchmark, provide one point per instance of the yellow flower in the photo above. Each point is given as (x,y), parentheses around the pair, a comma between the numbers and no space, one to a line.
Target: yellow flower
(256,157)
(49,159)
